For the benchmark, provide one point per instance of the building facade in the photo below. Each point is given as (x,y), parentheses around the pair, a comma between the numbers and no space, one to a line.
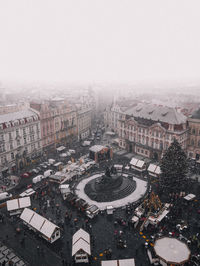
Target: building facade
(148,130)
(193,149)
(84,121)
(20,139)
(58,122)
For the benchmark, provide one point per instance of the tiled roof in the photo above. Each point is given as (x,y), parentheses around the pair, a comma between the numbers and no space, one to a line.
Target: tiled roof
(157,113)
(16,115)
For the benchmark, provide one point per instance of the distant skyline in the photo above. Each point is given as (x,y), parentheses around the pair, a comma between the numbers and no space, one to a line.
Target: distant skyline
(91,41)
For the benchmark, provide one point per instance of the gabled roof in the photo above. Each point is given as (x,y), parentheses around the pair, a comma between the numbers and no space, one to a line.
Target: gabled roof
(20,203)
(38,222)
(157,113)
(81,234)
(81,245)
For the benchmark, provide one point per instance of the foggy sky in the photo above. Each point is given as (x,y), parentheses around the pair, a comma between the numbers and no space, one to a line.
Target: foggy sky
(99,40)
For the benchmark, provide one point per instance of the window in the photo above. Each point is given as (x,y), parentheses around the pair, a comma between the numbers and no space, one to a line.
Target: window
(193,131)
(192,142)
(18,142)
(199,143)
(10,135)
(12,156)
(25,142)
(138,150)
(146,152)
(11,146)
(2,147)
(17,132)
(2,137)
(24,131)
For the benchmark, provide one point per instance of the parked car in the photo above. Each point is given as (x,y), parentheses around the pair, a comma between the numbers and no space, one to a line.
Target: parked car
(34,171)
(5,196)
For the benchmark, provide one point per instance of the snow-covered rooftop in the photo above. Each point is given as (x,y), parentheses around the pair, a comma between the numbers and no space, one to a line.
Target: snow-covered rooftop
(157,113)
(96,148)
(16,115)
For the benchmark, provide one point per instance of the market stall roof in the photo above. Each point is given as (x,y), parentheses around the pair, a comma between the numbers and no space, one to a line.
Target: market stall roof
(38,222)
(81,244)
(134,161)
(125,262)
(96,148)
(140,163)
(110,133)
(190,197)
(152,168)
(171,250)
(158,171)
(81,234)
(63,155)
(20,203)
(61,148)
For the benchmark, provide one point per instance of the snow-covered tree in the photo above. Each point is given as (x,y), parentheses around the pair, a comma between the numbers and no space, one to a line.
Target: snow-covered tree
(174,169)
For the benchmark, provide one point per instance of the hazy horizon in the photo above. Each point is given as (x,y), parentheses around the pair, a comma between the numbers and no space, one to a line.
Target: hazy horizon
(103,41)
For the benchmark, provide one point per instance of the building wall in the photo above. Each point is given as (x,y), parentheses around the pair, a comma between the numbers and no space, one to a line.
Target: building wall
(193,149)
(19,142)
(84,122)
(150,140)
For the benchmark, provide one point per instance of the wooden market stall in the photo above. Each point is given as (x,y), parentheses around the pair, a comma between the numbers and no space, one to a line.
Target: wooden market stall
(154,170)
(41,225)
(138,165)
(16,206)
(81,249)
(124,262)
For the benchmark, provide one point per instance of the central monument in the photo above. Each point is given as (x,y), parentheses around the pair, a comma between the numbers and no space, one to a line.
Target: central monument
(109,186)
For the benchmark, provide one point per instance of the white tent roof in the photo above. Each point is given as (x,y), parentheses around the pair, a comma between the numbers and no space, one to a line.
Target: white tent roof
(171,250)
(140,163)
(133,161)
(81,244)
(158,171)
(40,223)
(61,148)
(189,197)
(126,262)
(20,203)
(81,234)
(152,168)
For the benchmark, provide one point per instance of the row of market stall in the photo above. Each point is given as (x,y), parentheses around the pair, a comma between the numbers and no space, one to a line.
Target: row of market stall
(141,166)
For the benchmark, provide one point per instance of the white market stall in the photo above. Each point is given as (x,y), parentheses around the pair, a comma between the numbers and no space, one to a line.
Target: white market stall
(125,262)
(16,206)
(154,170)
(171,251)
(138,165)
(38,223)
(190,197)
(61,148)
(81,249)
(109,209)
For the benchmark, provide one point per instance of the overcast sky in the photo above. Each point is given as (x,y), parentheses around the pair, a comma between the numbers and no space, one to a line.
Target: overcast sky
(99,40)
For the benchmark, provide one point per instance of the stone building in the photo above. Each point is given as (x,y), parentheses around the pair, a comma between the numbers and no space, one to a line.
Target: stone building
(20,139)
(148,130)
(193,148)
(58,122)
(84,121)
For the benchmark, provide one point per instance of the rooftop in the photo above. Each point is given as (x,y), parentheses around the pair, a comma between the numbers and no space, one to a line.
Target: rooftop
(157,113)
(196,114)
(16,115)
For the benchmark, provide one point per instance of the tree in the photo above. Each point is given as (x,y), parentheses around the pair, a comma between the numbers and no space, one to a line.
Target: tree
(174,168)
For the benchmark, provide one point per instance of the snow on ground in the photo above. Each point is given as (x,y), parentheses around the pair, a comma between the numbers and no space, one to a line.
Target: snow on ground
(141,187)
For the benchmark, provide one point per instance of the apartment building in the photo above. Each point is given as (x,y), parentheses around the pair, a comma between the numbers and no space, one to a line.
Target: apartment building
(149,130)
(20,139)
